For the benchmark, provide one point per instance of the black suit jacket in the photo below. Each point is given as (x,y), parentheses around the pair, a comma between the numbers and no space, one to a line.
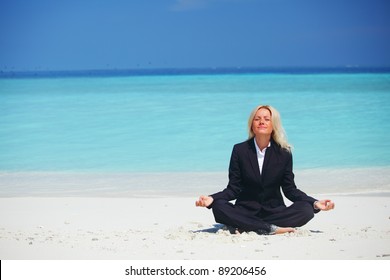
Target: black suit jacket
(257,191)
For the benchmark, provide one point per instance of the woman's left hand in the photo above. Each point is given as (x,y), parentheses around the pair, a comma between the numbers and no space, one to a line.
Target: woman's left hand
(324,205)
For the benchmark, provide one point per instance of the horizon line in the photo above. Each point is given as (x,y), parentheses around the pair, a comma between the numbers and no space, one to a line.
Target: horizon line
(194,71)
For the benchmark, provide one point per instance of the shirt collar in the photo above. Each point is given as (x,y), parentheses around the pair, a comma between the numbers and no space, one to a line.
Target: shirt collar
(258,149)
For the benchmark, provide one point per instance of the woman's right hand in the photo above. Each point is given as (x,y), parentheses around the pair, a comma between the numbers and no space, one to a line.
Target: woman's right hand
(204,201)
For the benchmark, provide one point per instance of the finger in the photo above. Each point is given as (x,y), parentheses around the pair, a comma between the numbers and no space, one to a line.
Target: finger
(200,203)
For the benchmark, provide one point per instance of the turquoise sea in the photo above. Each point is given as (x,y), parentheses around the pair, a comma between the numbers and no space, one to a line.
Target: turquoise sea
(136,131)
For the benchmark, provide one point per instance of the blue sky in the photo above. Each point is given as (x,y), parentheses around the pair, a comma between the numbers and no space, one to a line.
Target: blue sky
(137,34)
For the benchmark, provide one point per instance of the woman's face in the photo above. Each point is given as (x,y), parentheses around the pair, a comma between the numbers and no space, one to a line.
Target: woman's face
(262,123)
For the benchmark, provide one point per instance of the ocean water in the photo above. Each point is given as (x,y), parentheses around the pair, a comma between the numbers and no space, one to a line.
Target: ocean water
(160,125)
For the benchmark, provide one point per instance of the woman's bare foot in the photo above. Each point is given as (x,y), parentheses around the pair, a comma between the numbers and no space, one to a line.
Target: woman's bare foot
(281,230)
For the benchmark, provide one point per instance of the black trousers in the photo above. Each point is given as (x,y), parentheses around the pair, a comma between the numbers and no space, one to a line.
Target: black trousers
(237,216)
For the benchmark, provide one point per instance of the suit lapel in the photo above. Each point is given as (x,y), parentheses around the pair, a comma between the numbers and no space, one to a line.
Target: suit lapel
(253,159)
(270,159)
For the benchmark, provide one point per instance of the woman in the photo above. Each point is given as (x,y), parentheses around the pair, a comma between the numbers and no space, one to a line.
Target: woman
(259,169)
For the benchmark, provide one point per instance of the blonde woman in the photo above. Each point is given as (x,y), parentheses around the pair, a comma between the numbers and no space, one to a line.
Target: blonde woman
(260,168)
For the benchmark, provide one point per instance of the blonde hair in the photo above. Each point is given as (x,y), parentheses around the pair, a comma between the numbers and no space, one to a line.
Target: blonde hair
(278,133)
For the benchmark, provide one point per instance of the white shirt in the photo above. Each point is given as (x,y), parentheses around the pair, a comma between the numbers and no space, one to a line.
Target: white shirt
(261,154)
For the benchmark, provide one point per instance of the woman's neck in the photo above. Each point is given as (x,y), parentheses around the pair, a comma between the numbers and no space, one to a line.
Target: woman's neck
(262,141)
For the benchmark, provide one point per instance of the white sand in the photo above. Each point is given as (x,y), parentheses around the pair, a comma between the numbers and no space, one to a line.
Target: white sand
(173,228)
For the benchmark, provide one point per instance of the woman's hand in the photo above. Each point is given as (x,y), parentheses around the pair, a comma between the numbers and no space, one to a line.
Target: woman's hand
(324,205)
(204,201)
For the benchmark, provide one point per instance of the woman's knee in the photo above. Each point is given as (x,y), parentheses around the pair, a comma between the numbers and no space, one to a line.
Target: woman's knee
(306,211)
(221,210)
(219,205)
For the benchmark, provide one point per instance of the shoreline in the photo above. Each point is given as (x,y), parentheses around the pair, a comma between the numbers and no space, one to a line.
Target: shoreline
(172,228)
(342,181)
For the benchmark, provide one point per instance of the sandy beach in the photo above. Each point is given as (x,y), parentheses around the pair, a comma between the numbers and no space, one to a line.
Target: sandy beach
(172,228)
